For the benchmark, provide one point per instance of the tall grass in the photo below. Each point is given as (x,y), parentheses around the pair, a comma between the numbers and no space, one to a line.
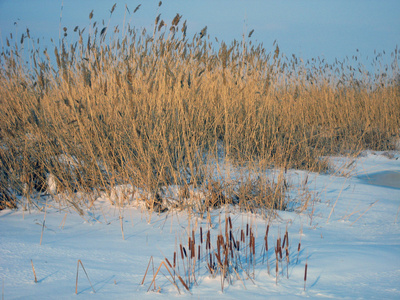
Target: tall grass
(159,109)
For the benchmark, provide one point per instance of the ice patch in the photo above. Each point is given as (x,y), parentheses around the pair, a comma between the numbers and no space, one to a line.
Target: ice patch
(384,178)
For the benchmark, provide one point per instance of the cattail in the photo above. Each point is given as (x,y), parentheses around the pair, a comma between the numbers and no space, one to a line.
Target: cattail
(298,252)
(230,222)
(250,242)
(184,251)
(279,247)
(287,239)
(287,254)
(181,250)
(284,241)
(305,275)
(166,259)
(276,266)
(201,235)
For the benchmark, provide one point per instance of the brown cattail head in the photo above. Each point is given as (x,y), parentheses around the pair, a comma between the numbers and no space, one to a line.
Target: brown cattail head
(287,239)
(166,259)
(287,254)
(305,276)
(184,251)
(201,235)
(181,250)
(198,253)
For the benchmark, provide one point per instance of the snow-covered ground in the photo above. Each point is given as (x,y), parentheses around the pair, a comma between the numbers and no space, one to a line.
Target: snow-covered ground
(350,239)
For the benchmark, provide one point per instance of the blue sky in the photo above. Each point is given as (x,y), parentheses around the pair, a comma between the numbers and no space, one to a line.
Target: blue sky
(307,28)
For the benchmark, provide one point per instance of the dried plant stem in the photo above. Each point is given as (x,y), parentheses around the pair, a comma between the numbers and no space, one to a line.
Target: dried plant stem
(63,221)
(33,269)
(77,275)
(179,277)
(148,265)
(121,220)
(364,212)
(305,275)
(334,205)
(43,224)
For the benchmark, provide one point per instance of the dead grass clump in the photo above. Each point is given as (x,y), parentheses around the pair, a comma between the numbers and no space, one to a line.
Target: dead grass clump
(262,193)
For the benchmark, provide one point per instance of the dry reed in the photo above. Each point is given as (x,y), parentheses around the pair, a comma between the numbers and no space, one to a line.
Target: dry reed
(77,275)
(160,110)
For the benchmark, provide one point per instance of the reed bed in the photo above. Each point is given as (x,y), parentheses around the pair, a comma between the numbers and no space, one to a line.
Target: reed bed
(160,108)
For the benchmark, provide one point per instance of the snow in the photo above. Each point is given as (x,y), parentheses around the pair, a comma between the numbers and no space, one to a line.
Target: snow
(350,239)
(350,232)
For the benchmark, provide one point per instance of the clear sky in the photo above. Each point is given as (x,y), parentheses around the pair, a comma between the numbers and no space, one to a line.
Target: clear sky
(307,28)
